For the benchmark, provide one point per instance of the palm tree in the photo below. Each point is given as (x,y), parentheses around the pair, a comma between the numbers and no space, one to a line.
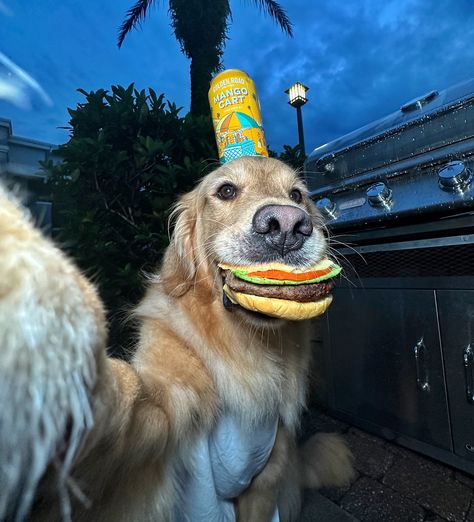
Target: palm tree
(201,26)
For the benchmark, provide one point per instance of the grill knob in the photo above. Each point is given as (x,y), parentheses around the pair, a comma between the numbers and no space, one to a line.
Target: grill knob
(327,207)
(379,195)
(454,176)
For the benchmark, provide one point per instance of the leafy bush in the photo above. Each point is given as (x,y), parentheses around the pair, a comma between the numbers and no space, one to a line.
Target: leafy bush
(292,156)
(129,156)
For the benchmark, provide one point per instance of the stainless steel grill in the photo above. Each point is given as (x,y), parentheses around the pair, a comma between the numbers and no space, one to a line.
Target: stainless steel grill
(415,162)
(398,198)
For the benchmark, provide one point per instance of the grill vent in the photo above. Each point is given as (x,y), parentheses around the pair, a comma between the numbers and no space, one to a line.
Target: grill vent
(444,261)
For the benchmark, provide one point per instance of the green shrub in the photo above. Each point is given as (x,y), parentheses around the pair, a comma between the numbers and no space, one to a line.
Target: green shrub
(292,156)
(129,156)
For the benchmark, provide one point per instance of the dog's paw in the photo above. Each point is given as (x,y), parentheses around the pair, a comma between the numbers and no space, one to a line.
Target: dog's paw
(326,461)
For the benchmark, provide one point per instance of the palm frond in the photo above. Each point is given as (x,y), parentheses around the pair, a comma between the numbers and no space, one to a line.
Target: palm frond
(276,11)
(135,15)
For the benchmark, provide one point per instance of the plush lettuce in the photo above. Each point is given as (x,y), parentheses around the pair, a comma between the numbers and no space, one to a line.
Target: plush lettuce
(280,277)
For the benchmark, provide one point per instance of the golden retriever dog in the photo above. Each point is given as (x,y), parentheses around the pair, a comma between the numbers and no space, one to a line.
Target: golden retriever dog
(200,426)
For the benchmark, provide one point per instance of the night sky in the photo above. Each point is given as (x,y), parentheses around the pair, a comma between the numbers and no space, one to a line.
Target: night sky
(361,59)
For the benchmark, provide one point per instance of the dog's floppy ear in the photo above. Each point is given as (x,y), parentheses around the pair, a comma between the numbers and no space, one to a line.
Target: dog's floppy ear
(179,265)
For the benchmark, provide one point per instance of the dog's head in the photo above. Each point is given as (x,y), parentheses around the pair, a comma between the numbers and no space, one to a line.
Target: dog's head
(252,210)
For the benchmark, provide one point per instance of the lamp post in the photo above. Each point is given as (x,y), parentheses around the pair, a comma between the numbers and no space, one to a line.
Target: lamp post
(297,98)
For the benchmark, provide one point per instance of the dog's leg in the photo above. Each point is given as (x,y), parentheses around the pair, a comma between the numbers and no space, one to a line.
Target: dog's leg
(323,461)
(258,503)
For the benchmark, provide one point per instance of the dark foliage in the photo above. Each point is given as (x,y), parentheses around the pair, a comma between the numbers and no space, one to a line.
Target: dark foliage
(292,156)
(129,156)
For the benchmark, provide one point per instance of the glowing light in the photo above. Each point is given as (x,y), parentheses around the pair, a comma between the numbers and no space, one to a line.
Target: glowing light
(297,94)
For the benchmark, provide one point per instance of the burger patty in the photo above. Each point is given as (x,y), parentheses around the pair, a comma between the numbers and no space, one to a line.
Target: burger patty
(301,293)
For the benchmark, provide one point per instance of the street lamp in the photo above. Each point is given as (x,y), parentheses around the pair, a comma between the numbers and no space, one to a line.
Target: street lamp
(297,98)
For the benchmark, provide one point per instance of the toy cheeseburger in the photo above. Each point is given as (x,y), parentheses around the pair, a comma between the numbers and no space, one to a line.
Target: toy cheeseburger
(236,116)
(281,291)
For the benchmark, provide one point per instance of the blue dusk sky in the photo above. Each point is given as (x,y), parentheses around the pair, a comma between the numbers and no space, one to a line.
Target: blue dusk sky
(361,59)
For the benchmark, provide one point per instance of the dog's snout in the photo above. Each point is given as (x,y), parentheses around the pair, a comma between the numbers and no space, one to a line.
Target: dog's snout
(284,219)
(284,227)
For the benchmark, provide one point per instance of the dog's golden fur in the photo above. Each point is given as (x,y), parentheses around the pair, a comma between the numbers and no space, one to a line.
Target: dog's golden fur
(89,438)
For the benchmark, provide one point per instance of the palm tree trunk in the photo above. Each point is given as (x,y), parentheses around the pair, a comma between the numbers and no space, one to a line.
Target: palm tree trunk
(202,72)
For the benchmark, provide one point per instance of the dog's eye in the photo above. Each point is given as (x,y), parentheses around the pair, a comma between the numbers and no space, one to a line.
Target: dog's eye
(227,191)
(296,196)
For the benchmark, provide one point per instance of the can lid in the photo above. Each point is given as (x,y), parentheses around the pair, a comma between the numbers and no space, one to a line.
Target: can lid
(229,71)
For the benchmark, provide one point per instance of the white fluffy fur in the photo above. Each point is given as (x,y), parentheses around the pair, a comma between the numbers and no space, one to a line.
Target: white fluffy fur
(46,374)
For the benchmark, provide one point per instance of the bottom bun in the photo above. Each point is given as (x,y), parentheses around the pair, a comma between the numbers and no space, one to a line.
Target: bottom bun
(282,308)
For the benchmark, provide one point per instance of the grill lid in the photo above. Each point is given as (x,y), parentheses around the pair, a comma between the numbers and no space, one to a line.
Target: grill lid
(421,126)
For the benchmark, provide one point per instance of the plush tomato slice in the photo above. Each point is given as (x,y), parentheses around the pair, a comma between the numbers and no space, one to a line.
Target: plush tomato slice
(280,275)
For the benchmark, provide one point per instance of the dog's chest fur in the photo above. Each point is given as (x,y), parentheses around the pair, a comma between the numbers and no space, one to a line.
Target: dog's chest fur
(220,465)
(256,374)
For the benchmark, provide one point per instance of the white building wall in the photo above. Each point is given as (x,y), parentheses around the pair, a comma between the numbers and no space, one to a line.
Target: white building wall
(20,166)
(20,157)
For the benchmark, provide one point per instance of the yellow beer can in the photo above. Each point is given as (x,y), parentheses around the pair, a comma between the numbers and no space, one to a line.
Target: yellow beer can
(236,116)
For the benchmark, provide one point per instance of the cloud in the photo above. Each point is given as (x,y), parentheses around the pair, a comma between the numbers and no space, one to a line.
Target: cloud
(11,91)
(17,86)
(361,60)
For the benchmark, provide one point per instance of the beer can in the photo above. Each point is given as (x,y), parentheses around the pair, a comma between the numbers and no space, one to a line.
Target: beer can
(236,116)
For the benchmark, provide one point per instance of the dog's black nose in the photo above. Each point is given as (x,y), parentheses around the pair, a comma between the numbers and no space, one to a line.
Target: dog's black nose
(284,227)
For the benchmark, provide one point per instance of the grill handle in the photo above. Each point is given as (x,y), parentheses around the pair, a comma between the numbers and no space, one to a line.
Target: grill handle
(419,103)
(420,362)
(468,359)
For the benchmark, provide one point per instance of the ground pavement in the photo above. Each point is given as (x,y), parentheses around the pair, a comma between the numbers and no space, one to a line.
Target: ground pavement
(393,484)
